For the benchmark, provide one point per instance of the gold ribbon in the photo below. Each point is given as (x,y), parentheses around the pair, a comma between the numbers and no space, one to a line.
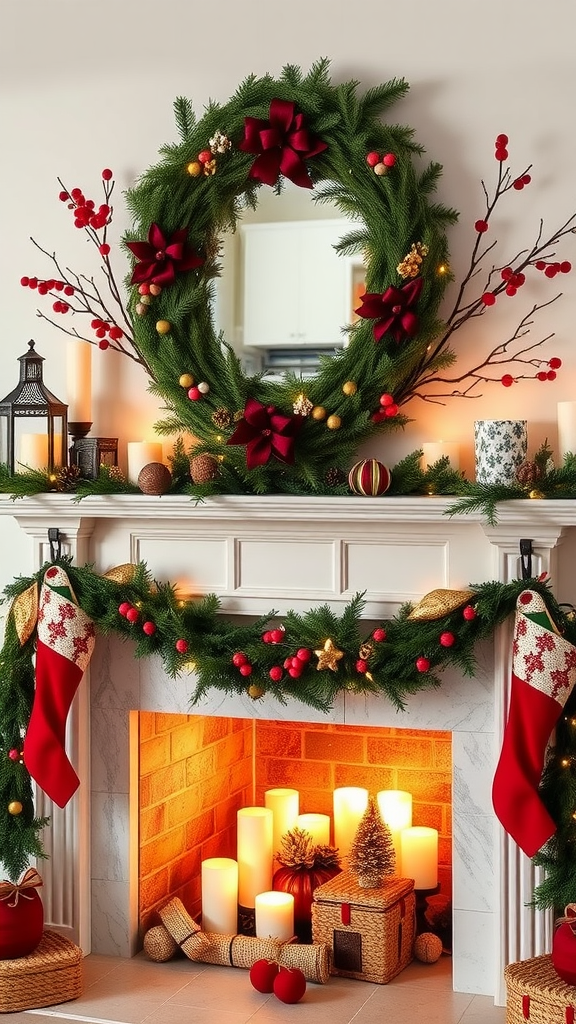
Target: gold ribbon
(439,603)
(29,880)
(25,613)
(123,574)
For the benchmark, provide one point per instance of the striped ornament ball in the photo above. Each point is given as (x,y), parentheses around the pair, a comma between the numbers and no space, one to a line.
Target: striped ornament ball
(369,477)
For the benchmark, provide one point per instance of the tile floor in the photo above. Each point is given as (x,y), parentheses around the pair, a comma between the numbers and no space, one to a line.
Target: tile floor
(178,992)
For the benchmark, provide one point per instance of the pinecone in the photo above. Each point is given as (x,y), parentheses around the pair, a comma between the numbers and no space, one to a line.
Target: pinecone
(221,418)
(297,849)
(334,476)
(528,473)
(327,857)
(115,473)
(66,478)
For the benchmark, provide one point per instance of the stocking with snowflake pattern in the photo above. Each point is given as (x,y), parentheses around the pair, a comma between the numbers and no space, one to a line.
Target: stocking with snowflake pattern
(65,642)
(543,676)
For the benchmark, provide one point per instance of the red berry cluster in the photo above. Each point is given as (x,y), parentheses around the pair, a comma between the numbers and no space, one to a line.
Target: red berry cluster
(273,636)
(521,182)
(388,409)
(103,328)
(550,374)
(85,212)
(296,663)
(240,661)
(551,269)
(513,281)
(500,150)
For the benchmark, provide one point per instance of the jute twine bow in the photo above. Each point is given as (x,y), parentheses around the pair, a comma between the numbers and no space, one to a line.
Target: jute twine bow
(569,916)
(14,890)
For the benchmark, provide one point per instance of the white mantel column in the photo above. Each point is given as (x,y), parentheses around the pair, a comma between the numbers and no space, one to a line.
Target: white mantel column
(66,891)
(522,931)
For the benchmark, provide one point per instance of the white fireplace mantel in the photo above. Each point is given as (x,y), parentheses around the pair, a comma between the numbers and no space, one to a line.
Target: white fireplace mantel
(263,553)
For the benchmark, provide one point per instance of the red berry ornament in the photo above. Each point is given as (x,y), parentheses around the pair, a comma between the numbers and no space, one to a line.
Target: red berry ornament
(124,608)
(276,636)
(14,754)
(289,984)
(481,226)
(422,664)
(132,614)
(488,298)
(507,380)
(106,174)
(372,159)
(246,669)
(389,160)
(361,666)
(239,659)
(181,646)
(554,363)
(263,974)
(205,156)
(194,394)
(149,628)
(275,673)
(469,613)
(379,635)
(386,400)
(303,654)
(447,639)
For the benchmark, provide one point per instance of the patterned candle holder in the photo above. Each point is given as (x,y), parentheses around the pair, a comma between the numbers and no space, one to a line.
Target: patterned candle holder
(500,448)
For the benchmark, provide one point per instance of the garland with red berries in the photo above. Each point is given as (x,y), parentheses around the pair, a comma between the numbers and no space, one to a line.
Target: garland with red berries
(298,436)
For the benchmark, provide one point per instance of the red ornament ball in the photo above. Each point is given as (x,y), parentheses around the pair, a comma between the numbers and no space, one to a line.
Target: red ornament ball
(239,659)
(554,363)
(263,974)
(246,669)
(389,160)
(303,654)
(106,174)
(507,380)
(422,664)
(372,159)
(361,666)
(488,299)
(369,477)
(481,226)
(447,639)
(14,754)
(469,613)
(132,614)
(276,636)
(289,985)
(149,628)
(181,646)
(124,608)
(275,673)
(379,635)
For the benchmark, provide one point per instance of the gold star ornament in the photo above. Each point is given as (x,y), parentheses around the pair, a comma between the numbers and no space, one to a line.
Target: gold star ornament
(328,656)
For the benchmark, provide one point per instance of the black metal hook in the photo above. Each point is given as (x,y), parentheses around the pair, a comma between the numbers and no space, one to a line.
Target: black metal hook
(526,558)
(54,542)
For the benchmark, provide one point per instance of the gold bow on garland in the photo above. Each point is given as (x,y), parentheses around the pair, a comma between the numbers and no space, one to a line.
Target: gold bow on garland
(14,890)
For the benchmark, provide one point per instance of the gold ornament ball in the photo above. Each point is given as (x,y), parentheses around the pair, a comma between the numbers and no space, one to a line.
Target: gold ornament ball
(15,807)
(369,477)
(255,691)
(333,422)
(318,413)
(186,380)
(194,169)
(428,948)
(203,468)
(349,388)
(536,494)
(155,478)
(163,326)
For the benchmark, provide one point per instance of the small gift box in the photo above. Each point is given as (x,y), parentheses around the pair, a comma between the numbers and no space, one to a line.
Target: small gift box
(500,447)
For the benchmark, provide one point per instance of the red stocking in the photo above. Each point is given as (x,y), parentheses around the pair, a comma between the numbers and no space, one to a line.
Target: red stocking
(543,675)
(65,643)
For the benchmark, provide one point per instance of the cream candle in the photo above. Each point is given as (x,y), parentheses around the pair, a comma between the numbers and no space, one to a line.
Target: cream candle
(79,381)
(284,804)
(140,454)
(220,895)
(254,853)
(33,452)
(395,807)
(566,413)
(419,847)
(435,450)
(318,825)
(350,802)
(274,915)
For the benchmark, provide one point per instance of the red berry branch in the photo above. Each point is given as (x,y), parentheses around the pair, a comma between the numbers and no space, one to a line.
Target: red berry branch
(505,280)
(82,294)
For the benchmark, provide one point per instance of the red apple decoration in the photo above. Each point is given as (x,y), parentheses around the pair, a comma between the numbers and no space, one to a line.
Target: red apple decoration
(289,984)
(263,974)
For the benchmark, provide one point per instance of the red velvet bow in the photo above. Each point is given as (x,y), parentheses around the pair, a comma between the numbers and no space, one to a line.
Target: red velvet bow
(160,258)
(392,311)
(13,890)
(282,145)
(265,432)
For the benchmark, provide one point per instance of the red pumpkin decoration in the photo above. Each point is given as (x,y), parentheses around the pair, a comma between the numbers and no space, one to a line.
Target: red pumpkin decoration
(304,866)
(564,947)
(21,917)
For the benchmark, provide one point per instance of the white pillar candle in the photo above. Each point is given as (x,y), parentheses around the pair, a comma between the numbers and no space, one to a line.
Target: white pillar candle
(566,428)
(140,454)
(318,825)
(435,450)
(254,853)
(33,452)
(350,802)
(275,915)
(420,856)
(220,895)
(395,807)
(284,804)
(79,381)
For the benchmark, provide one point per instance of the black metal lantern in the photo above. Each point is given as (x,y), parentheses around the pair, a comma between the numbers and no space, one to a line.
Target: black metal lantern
(33,422)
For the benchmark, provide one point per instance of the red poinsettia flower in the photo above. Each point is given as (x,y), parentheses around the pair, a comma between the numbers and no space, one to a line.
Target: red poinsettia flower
(266,432)
(282,145)
(392,311)
(159,259)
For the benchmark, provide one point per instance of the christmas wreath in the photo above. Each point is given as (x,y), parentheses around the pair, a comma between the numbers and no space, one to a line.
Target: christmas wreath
(258,435)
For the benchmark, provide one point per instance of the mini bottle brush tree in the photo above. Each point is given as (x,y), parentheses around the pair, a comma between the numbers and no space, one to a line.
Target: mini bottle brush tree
(300,436)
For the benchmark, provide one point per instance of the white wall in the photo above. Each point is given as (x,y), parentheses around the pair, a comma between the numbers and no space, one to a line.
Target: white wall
(89,84)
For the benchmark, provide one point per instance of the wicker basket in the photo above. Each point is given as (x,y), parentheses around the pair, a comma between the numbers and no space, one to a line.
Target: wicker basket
(369,931)
(536,994)
(51,974)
